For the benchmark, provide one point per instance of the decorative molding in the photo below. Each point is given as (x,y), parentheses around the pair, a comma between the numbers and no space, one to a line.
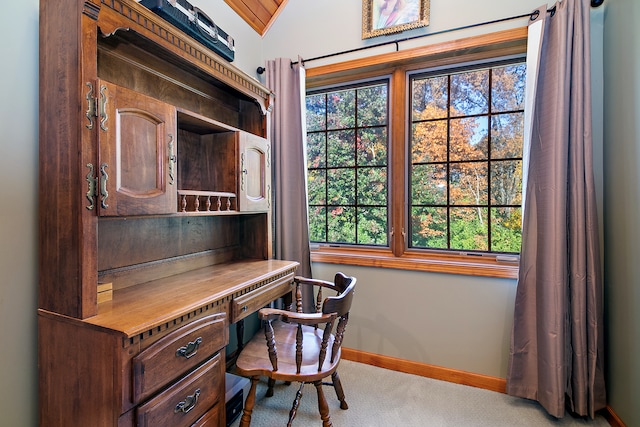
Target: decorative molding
(149,23)
(91,10)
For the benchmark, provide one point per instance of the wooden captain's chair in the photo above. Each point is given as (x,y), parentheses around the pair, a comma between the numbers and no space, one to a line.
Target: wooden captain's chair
(296,347)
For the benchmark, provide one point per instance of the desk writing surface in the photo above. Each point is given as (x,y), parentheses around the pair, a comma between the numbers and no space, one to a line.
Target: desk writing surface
(139,308)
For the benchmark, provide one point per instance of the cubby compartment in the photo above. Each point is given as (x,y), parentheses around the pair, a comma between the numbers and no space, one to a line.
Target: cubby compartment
(207,165)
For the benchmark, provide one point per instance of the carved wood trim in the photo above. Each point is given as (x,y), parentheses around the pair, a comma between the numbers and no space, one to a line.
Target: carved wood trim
(91,10)
(218,306)
(146,23)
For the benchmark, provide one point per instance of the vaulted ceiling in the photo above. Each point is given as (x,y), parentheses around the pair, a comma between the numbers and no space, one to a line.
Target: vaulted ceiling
(259,14)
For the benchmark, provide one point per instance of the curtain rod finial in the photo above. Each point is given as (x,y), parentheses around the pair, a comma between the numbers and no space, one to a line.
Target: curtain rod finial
(260,70)
(596,3)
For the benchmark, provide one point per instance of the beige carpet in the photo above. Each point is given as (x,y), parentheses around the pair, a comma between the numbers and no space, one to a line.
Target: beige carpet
(382,398)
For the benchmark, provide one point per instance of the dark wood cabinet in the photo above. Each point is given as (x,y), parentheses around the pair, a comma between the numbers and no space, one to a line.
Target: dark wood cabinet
(154,174)
(137,153)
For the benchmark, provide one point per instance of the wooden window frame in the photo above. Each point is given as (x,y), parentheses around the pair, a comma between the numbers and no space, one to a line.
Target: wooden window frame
(503,44)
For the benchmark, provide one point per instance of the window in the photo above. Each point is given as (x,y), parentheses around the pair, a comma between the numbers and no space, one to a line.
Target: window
(415,157)
(466,159)
(347,133)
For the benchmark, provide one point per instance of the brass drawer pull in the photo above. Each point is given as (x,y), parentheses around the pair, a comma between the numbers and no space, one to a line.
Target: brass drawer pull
(190,349)
(188,404)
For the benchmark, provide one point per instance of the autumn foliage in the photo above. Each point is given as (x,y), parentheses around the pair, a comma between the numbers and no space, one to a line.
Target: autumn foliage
(464,169)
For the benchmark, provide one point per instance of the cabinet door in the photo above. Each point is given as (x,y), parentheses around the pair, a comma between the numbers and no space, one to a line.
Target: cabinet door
(137,153)
(255,173)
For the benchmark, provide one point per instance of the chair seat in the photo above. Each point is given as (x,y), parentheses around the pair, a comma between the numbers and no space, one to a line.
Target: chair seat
(254,359)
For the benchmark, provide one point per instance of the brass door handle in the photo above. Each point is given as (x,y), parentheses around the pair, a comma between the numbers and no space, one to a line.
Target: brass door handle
(172,161)
(103,185)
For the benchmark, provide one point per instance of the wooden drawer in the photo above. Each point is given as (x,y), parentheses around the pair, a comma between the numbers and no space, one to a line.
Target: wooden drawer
(188,400)
(250,302)
(213,417)
(177,353)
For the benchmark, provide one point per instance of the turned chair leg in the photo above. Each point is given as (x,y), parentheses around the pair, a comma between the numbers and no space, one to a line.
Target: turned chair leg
(271,382)
(323,407)
(337,385)
(249,403)
(296,403)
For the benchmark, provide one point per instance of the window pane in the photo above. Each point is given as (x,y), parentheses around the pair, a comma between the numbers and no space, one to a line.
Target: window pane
(316,112)
(372,186)
(469,229)
(318,224)
(429,185)
(468,183)
(506,230)
(341,186)
(430,98)
(341,109)
(348,165)
(342,225)
(508,88)
(317,187)
(507,135)
(466,166)
(506,182)
(429,228)
(372,146)
(341,148)
(429,142)
(469,138)
(470,93)
(372,106)
(372,226)
(316,146)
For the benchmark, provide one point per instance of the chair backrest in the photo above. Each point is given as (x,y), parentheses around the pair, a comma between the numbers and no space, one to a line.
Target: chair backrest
(341,303)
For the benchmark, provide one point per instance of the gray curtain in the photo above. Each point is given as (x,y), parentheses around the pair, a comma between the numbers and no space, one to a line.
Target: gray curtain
(557,343)
(288,139)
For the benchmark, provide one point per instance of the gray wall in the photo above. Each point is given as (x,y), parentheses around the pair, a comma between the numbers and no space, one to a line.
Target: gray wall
(622,206)
(327,26)
(437,310)
(459,322)
(18,226)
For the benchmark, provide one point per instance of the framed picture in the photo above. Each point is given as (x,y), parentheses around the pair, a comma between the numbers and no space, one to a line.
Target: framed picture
(383,17)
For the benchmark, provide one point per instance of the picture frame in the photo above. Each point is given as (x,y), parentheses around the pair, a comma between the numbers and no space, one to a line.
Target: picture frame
(384,17)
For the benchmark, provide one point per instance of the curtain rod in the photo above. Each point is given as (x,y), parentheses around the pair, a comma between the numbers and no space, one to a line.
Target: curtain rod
(532,15)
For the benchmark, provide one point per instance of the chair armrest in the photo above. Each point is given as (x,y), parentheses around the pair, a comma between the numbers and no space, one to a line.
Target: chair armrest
(315,282)
(293,317)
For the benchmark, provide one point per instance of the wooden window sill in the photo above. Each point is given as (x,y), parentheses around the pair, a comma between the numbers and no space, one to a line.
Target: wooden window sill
(472,265)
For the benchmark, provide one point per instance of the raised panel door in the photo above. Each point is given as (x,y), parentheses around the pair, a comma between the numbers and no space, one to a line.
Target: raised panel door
(255,173)
(137,153)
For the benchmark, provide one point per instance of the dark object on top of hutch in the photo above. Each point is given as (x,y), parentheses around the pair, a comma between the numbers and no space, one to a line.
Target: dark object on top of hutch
(195,23)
